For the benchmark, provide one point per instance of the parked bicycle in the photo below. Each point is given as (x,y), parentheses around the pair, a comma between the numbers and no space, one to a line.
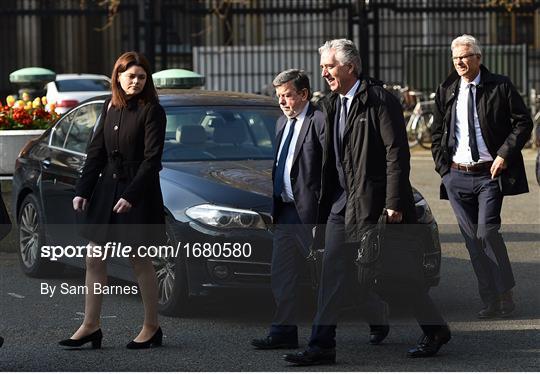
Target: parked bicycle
(418,113)
(419,124)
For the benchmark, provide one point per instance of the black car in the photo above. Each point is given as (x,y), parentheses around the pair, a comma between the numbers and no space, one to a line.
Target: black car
(216,183)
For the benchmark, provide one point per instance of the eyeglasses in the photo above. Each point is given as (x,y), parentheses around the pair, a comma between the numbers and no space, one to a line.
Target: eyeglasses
(457,58)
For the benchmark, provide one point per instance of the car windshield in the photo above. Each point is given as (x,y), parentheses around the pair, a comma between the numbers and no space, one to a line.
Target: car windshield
(69,85)
(219,133)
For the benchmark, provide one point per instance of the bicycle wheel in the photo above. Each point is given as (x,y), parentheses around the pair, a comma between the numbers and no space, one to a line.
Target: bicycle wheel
(423,131)
(412,125)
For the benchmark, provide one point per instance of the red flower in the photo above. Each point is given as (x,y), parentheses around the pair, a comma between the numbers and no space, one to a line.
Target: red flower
(22,116)
(29,118)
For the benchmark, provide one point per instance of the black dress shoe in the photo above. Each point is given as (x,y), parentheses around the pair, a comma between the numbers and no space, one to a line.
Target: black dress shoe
(274,342)
(155,341)
(429,345)
(312,357)
(377,333)
(489,311)
(506,304)
(1,342)
(95,338)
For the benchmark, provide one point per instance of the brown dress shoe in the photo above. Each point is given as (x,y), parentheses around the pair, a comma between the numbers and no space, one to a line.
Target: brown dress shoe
(506,304)
(489,311)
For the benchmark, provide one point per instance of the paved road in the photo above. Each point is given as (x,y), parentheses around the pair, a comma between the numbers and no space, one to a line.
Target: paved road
(217,337)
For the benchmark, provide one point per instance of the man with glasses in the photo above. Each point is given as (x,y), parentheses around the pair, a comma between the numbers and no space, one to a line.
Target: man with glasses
(480,126)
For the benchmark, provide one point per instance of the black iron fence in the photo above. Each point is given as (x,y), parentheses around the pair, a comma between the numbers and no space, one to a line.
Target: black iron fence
(241,45)
(63,36)
(424,68)
(408,39)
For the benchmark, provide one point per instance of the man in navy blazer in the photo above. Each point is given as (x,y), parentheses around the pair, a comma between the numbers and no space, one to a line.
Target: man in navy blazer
(296,175)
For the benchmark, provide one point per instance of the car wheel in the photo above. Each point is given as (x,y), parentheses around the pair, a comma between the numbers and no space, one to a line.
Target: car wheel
(172,281)
(31,239)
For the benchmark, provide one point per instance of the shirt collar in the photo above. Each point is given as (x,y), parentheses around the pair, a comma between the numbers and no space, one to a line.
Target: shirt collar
(475,81)
(302,115)
(349,95)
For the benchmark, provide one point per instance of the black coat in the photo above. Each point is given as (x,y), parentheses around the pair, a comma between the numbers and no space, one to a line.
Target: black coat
(375,160)
(123,161)
(307,160)
(5,221)
(505,124)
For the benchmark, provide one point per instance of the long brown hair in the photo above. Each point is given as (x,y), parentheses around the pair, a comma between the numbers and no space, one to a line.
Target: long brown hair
(124,62)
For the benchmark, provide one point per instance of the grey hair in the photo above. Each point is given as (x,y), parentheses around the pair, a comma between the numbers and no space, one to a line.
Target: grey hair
(469,41)
(346,52)
(298,77)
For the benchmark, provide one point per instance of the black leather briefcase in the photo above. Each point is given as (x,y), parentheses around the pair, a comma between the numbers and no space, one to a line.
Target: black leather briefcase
(390,254)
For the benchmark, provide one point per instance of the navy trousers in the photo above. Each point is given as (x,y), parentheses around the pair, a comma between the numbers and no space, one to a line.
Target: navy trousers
(290,249)
(477,200)
(339,276)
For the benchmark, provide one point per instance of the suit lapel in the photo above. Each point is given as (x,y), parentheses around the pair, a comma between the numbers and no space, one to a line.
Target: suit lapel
(481,106)
(359,98)
(303,131)
(279,134)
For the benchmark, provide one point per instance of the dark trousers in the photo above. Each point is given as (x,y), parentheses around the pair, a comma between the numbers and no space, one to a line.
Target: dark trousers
(477,200)
(338,274)
(290,249)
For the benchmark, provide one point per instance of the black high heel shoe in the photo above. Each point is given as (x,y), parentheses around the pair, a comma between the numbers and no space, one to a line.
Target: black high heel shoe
(94,337)
(154,341)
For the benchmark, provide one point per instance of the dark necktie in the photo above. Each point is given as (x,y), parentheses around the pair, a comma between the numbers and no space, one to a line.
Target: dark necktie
(342,117)
(472,131)
(342,121)
(280,168)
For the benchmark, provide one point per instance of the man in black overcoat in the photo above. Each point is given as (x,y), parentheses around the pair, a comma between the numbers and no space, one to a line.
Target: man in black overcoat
(480,127)
(296,176)
(365,169)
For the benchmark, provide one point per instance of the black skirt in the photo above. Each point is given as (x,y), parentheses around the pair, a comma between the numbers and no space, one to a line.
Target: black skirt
(144,224)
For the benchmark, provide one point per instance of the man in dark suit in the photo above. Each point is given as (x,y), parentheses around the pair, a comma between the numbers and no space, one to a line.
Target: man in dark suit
(297,182)
(365,169)
(480,126)
(296,174)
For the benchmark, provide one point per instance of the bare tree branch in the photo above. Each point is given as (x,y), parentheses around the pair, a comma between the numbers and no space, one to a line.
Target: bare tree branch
(112,6)
(509,5)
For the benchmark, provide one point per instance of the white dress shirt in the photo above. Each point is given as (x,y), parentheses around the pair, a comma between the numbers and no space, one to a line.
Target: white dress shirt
(287,194)
(350,95)
(463,154)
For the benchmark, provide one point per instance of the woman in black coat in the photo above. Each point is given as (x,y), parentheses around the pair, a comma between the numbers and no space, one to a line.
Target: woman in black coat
(120,194)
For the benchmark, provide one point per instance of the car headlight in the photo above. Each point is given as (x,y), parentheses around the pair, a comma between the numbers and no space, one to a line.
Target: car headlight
(224,217)
(423,212)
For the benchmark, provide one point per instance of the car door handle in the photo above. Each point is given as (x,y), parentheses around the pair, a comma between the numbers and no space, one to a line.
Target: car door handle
(46,163)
